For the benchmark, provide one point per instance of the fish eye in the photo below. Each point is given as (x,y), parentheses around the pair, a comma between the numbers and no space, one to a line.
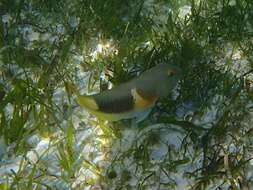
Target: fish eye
(171,72)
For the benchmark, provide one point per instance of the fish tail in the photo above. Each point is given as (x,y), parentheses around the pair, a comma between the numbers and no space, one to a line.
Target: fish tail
(87,102)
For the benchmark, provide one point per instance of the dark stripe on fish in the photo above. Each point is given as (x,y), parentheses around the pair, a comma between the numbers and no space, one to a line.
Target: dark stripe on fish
(119,104)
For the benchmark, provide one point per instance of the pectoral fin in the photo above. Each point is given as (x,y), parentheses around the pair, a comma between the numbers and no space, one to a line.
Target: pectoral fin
(142,100)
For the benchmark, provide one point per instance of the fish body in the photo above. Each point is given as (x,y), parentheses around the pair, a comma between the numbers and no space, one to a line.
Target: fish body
(133,98)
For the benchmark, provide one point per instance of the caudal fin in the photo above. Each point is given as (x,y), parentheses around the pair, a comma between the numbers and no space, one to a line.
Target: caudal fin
(87,102)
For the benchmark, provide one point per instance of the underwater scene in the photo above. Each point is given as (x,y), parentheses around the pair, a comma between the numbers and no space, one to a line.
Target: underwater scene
(126,95)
